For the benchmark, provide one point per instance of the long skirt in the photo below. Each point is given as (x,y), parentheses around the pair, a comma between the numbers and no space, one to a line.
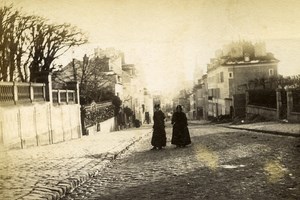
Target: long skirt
(181,136)
(159,138)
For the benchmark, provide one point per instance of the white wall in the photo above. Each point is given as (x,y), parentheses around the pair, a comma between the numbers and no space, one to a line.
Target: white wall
(37,124)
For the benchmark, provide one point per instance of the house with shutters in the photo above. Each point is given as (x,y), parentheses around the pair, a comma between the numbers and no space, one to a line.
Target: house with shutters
(229,73)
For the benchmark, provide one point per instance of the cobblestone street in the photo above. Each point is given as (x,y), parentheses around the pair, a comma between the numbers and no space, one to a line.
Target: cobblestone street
(220,164)
(149,100)
(50,171)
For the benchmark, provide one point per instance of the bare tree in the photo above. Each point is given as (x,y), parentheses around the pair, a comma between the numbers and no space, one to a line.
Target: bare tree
(49,42)
(275,82)
(29,44)
(8,18)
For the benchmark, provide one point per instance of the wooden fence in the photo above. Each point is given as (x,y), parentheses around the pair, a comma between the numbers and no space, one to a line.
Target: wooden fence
(63,96)
(33,114)
(12,93)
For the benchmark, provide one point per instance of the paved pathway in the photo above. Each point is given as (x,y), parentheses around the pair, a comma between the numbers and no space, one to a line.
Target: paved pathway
(292,129)
(220,164)
(274,127)
(51,171)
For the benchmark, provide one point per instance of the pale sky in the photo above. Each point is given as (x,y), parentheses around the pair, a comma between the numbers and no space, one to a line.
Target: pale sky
(165,37)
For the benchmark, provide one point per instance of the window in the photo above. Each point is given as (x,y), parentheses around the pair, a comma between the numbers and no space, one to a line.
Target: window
(271,72)
(119,79)
(230,75)
(221,77)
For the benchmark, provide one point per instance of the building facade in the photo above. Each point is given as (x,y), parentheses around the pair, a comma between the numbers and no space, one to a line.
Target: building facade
(229,74)
(113,68)
(200,98)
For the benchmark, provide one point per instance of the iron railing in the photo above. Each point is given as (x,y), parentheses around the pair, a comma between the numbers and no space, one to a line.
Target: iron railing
(96,113)
(296,100)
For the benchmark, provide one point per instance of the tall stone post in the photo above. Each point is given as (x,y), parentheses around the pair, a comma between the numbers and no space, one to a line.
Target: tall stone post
(289,102)
(49,88)
(73,85)
(15,90)
(45,77)
(247,98)
(278,103)
(31,92)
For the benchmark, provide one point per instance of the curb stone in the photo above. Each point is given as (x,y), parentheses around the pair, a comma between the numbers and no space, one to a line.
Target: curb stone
(264,131)
(55,192)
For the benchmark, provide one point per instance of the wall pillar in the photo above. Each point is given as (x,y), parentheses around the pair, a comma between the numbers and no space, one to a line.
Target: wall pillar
(247,98)
(74,85)
(45,77)
(247,103)
(15,89)
(289,102)
(278,103)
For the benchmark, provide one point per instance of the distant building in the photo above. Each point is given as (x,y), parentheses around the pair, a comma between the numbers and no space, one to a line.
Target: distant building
(136,96)
(128,75)
(228,75)
(113,67)
(148,105)
(192,111)
(183,99)
(200,98)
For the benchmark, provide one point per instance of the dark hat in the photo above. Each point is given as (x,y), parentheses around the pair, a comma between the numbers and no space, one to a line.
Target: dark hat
(179,107)
(157,106)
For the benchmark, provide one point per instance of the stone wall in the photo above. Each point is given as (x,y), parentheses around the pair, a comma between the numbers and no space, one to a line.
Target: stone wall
(268,113)
(103,127)
(285,107)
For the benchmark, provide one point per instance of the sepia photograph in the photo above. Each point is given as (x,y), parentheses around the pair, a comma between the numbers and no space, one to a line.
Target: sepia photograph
(149,99)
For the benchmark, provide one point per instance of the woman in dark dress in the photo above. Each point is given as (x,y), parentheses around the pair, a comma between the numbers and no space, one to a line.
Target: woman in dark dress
(180,134)
(159,138)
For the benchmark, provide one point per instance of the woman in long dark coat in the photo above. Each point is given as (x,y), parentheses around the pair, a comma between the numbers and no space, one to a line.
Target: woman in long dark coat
(180,135)
(159,138)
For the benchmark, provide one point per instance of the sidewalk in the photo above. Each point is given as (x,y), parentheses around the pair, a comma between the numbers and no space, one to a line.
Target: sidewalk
(272,127)
(49,172)
(199,122)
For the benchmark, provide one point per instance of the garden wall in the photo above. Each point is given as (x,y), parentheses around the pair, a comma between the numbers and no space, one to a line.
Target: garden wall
(102,127)
(23,126)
